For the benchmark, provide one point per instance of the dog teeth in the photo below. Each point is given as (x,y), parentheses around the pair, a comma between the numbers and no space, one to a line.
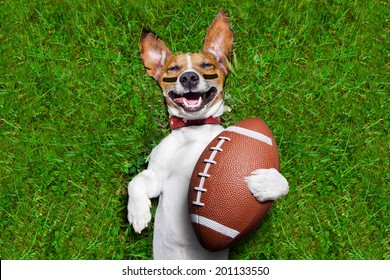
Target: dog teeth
(185,102)
(192,104)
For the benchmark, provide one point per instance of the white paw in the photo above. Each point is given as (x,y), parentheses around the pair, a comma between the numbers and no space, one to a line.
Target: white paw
(267,184)
(138,213)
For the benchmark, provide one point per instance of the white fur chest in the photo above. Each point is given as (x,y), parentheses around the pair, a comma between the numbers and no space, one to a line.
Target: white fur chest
(175,158)
(178,152)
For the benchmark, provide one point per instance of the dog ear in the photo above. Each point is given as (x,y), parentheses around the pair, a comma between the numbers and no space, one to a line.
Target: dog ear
(154,53)
(219,40)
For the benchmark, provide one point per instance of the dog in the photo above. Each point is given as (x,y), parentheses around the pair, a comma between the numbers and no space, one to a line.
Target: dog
(192,85)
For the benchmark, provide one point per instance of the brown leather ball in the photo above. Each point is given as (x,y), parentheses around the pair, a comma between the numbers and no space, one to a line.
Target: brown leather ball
(222,209)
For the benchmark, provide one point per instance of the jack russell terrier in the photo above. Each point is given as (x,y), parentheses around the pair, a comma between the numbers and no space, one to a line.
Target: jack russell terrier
(192,85)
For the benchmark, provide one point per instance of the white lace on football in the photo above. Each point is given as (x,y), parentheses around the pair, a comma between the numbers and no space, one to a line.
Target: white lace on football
(204,175)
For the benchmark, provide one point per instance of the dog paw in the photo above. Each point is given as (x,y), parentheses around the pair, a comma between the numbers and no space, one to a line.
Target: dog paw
(267,184)
(138,213)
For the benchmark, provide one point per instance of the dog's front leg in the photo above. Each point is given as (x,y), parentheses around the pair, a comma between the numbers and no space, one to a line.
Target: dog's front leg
(143,187)
(267,184)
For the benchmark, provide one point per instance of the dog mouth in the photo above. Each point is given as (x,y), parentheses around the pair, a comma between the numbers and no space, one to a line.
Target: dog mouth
(193,101)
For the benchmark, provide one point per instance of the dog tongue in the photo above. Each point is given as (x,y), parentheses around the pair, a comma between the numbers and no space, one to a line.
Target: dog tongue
(189,102)
(186,101)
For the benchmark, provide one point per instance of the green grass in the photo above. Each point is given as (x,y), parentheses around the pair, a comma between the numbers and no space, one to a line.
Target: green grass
(79,116)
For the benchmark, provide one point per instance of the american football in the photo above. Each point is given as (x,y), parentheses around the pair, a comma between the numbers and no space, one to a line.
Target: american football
(222,209)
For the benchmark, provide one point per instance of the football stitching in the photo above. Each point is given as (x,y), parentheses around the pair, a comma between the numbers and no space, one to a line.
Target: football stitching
(204,175)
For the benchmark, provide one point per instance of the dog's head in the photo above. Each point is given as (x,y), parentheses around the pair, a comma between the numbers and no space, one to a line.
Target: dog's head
(192,84)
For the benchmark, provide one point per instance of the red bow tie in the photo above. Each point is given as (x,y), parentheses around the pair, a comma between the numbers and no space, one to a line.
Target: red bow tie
(176,122)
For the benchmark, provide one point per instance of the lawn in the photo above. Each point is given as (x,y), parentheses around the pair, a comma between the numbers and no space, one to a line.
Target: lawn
(79,117)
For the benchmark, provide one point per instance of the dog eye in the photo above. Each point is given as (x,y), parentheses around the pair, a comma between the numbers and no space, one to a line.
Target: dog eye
(206,65)
(174,68)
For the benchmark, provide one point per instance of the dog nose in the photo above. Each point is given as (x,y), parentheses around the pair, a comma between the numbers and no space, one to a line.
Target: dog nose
(189,79)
